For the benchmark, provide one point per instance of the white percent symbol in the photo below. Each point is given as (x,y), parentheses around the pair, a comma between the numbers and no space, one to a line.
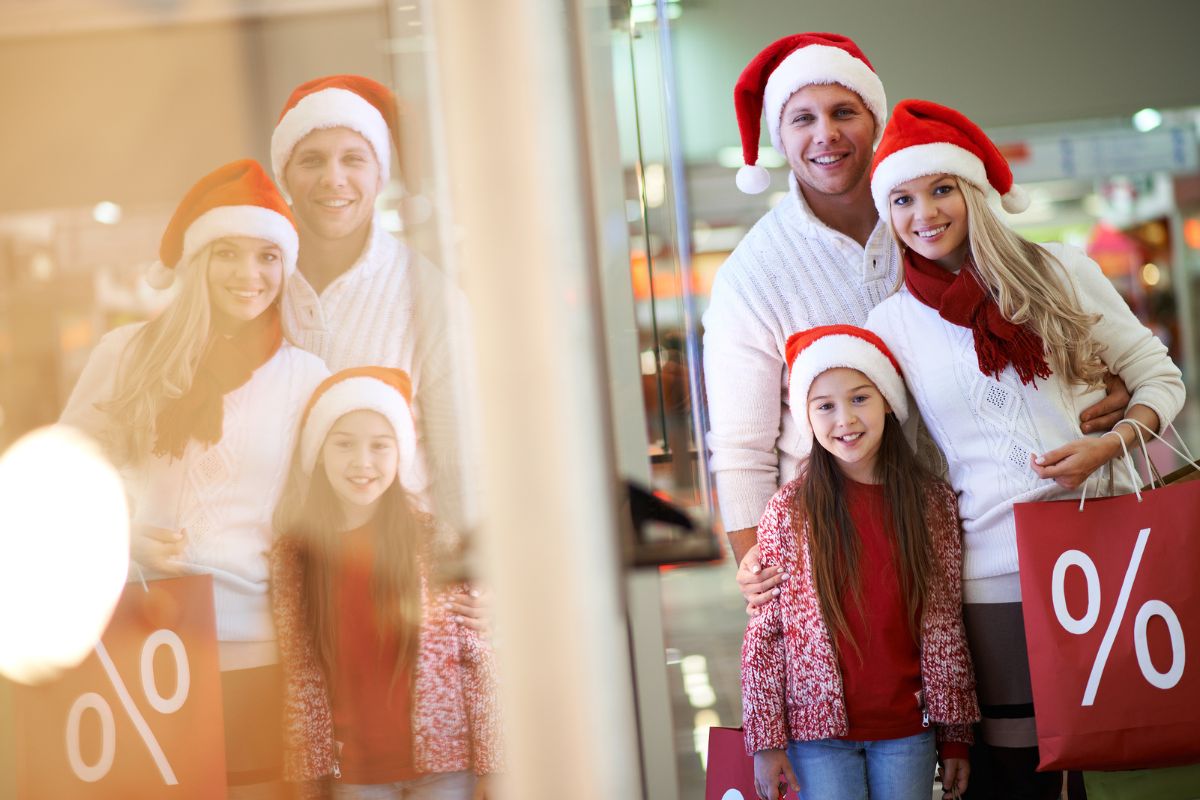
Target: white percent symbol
(1151,608)
(90,773)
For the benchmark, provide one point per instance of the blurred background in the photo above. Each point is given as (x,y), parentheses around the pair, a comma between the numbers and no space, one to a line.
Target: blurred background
(570,164)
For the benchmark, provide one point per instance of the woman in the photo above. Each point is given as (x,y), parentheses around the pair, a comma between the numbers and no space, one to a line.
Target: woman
(1003,343)
(199,409)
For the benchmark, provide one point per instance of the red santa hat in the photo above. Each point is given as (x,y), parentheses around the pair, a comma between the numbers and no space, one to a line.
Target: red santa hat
(237,199)
(781,70)
(337,101)
(924,138)
(383,390)
(818,350)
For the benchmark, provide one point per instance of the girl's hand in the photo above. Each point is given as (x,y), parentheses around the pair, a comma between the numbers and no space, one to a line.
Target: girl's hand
(757,583)
(953,774)
(485,788)
(157,548)
(768,764)
(1070,465)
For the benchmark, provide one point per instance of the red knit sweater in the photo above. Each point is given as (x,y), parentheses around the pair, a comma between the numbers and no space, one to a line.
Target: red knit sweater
(792,683)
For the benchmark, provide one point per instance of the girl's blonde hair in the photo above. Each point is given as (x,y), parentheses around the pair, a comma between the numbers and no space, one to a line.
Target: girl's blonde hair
(1031,288)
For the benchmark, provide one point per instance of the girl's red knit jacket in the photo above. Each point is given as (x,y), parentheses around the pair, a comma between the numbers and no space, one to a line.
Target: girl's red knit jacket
(455,718)
(791,681)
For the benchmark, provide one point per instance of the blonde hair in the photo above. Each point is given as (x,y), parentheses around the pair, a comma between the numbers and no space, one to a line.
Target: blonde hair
(1030,287)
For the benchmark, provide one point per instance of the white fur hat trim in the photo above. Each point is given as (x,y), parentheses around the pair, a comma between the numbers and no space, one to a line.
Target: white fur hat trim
(920,160)
(255,222)
(330,108)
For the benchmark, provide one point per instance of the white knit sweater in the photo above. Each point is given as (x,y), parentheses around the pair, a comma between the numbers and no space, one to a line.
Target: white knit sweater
(988,428)
(223,495)
(393,308)
(790,272)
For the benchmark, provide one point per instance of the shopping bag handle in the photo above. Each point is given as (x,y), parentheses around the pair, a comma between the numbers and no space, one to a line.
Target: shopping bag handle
(1126,459)
(1139,427)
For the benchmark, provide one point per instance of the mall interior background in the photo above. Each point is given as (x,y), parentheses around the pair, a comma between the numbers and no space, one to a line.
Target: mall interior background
(113,107)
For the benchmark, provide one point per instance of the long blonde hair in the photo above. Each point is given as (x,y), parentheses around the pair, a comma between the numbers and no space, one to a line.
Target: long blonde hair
(159,364)
(1030,287)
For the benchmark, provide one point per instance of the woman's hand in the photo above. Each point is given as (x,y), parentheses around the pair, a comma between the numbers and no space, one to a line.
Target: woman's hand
(1070,465)
(157,548)
(953,774)
(757,583)
(768,764)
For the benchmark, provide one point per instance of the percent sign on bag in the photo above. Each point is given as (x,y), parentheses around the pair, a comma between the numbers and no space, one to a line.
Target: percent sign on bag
(1112,604)
(141,717)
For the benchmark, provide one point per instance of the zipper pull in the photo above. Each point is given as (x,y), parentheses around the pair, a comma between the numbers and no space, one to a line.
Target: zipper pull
(924,718)
(337,770)
(337,766)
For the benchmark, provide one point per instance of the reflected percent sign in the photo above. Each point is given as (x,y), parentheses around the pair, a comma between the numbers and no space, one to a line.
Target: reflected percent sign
(141,717)
(1141,622)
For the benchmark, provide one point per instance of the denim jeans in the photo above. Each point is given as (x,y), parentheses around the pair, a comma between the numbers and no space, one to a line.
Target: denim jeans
(435,786)
(887,769)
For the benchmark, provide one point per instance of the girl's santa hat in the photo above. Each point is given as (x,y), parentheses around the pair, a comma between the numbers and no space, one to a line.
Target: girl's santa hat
(237,199)
(784,68)
(924,138)
(337,101)
(818,350)
(384,390)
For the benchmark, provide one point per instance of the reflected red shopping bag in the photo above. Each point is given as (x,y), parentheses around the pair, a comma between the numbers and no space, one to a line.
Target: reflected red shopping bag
(730,770)
(1112,612)
(141,716)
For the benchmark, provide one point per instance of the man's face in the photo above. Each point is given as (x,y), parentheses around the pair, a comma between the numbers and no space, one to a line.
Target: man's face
(333,178)
(827,135)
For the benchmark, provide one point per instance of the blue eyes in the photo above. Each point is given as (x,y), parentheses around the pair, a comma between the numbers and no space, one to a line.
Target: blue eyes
(941,190)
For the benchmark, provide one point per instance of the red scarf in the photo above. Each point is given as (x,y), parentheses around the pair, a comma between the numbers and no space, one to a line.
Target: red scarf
(228,362)
(960,299)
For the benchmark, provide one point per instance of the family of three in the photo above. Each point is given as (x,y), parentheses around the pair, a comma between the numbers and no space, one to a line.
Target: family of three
(878,319)
(305,494)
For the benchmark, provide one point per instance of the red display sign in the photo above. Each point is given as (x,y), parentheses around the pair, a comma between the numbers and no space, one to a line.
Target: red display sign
(141,717)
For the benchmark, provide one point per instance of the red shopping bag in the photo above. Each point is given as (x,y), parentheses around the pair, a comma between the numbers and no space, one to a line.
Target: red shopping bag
(141,716)
(730,770)
(1112,612)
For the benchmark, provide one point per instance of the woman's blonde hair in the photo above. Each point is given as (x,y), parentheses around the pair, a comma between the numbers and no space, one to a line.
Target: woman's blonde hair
(1031,288)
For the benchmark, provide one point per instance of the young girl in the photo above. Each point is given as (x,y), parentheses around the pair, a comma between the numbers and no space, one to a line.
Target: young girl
(199,407)
(386,692)
(1003,343)
(864,649)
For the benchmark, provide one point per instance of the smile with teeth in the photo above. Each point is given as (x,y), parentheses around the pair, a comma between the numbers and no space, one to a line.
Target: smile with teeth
(245,294)
(827,160)
(334,203)
(929,233)
(849,438)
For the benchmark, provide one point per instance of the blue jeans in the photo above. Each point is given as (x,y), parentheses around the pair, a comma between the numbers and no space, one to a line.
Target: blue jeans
(435,786)
(887,769)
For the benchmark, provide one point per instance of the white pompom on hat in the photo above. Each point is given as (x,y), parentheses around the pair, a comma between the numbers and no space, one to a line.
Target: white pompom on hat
(925,138)
(337,101)
(783,68)
(818,350)
(384,390)
(237,199)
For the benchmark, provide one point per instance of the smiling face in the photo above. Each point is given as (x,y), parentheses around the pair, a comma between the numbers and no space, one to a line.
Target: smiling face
(360,458)
(333,177)
(847,414)
(244,276)
(827,135)
(930,216)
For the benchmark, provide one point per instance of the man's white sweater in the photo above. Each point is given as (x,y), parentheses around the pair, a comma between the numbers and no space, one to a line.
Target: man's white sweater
(790,272)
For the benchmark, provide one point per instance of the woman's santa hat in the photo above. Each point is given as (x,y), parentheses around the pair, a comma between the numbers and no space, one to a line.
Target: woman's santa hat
(784,68)
(337,101)
(818,350)
(924,138)
(384,390)
(237,199)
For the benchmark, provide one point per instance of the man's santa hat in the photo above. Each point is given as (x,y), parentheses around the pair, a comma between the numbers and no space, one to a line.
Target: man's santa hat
(384,390)
(781,70)
(818,350)
(924,138)
(337,101)
(237,199)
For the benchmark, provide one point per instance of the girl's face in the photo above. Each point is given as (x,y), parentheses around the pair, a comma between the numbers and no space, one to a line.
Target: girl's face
(930,216)
(360,458)
(244,276)
(847,415)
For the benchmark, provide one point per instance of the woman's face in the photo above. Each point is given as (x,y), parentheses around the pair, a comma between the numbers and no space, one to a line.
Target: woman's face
(244,276)
(930,216)
(360,458)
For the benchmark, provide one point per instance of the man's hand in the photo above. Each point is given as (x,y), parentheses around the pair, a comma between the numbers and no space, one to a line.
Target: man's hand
(953,774)
(769,767)
(1109,411)
(157,548)
(473,609)
(758,584)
